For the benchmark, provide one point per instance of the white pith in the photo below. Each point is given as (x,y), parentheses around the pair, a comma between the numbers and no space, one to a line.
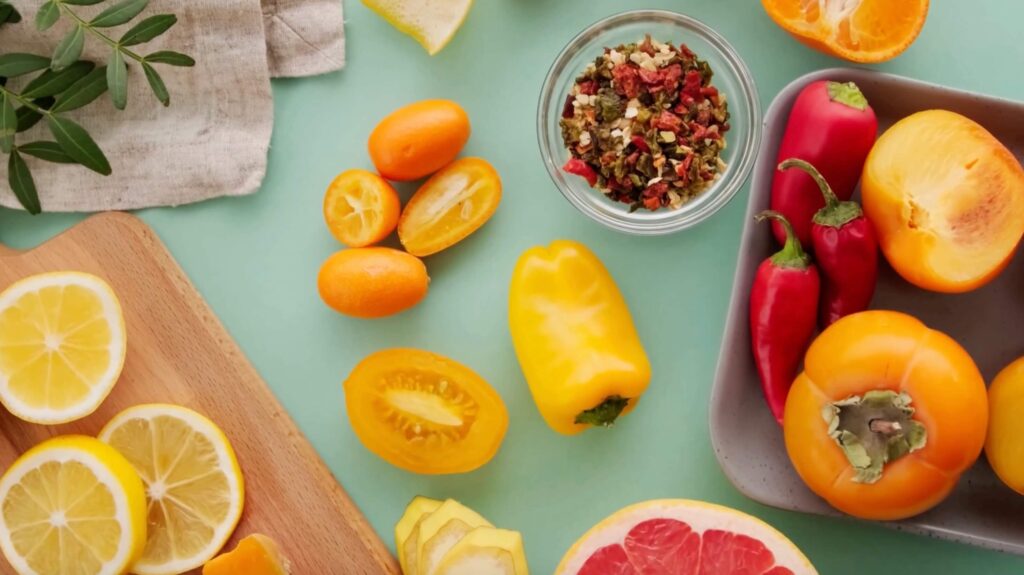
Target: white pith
(102,387)
(64,455)
(207,428)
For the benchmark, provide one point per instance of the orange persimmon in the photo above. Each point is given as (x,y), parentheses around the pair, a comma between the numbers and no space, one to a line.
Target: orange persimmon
(418,139)
(946,199)
(886,416)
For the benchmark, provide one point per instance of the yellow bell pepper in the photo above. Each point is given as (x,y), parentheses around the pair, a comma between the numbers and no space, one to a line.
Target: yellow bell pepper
(574,337)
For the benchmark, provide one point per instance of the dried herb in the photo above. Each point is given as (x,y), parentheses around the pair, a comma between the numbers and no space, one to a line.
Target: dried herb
(65,82)
(644,124)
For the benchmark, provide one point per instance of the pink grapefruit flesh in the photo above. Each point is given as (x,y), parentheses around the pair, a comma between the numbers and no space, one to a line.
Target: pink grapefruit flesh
(680,537)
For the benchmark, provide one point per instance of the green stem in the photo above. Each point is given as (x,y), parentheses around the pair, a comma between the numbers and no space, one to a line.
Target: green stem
(92,30)
(792,255)
(25,101)
(831,201)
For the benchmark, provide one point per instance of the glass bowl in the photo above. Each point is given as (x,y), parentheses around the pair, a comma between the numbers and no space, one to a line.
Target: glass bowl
(731,77)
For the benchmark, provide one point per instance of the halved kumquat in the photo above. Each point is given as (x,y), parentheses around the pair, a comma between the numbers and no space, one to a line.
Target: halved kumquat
(361,208)
(450,206)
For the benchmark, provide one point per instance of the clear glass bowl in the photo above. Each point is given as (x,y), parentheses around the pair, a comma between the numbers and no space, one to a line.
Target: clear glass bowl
(731,77)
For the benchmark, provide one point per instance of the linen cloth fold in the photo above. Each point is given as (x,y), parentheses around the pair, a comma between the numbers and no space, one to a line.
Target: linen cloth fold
(213,139)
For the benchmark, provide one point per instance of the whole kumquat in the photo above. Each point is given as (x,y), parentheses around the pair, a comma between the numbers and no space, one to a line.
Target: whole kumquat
(372,282)
(419,139)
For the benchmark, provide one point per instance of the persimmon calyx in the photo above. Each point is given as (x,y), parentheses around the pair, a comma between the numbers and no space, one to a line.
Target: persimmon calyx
(874,429)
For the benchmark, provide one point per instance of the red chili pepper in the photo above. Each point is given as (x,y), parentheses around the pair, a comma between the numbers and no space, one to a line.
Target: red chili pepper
(833,127)
(580,168)
(783,308)
(845,248)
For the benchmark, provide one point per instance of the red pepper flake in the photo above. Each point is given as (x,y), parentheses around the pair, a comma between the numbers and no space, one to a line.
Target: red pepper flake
(647,46)
(652,203)
(588,88)
(650,76)
(568,111)
(640,143)
(683,169)
(580,168)
(698,131)
(671,76)
(656,190)
(627,80)
(692,84)
(709,91)
(668,121)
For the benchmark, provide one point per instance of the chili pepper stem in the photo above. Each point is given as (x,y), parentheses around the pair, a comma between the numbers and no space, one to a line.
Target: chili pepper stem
(835,213)
(847,94)
(792,253)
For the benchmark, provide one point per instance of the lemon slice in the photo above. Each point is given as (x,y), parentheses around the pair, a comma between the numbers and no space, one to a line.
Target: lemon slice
(194,488)
(62,346)
(432,23)
(72,505)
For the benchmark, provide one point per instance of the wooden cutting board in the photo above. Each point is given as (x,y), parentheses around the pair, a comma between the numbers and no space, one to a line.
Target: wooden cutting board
(178,352)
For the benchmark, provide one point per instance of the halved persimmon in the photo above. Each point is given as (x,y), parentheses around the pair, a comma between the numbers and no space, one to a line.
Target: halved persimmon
(857,30)
(450,206)
(361,208)
(946,199)
(423,412)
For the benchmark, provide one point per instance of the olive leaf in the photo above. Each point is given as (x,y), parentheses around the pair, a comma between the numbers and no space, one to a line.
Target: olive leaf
(119,13)
(81,2)
(47,15)
(69,49)
(17,64)
(8,122)
(49,151)
(27,117)
(148,29)
(22,184)
(51,83)
(117,79)
(78,144)
(9,14)
(83,91)
(170,58)
(157,84)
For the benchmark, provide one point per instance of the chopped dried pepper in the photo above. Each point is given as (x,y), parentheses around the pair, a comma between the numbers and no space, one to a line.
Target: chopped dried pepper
(645,126)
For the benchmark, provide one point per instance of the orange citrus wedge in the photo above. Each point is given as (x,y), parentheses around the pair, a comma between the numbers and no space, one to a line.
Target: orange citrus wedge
(866,31)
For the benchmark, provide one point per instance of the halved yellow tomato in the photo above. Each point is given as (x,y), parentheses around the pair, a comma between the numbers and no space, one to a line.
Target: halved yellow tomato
(450,206)
(423,412)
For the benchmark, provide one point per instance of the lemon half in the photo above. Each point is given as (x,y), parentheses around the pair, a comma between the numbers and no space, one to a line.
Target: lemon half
(62,346)
(72,505)
(194,487)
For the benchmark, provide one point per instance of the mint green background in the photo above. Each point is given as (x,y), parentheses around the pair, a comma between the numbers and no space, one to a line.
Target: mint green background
(255,259)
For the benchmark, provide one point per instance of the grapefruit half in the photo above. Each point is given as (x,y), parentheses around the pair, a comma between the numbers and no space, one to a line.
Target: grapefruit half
(682,537)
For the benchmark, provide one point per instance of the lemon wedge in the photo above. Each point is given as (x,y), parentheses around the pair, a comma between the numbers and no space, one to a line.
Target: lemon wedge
(72,505)
(407,530)
(194,487)
(62,346)
(486,551)
(432,23)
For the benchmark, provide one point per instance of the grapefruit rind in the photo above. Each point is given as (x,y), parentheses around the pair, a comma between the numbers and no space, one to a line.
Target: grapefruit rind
(700,516)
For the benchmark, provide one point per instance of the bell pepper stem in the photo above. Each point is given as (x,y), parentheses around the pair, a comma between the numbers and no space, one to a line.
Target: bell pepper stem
(792,253)
(831,200)
(605,414)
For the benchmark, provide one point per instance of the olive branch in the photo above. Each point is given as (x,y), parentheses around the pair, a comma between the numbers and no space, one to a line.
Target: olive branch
(66,82)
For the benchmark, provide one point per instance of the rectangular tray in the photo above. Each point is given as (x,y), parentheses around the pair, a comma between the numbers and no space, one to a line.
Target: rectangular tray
(748,441)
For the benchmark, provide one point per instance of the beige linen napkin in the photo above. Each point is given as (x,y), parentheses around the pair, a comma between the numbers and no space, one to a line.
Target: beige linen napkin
(213,139)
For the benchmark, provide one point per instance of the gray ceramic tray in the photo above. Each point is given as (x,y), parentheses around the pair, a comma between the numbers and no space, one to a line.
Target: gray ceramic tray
(748,442)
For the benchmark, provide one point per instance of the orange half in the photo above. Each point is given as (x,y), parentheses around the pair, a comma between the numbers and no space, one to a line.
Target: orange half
(866,31)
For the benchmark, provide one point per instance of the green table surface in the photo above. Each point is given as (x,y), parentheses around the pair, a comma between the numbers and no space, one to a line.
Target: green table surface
(255,259)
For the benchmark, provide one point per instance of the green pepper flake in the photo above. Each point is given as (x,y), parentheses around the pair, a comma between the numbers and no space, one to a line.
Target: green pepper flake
(645,126)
